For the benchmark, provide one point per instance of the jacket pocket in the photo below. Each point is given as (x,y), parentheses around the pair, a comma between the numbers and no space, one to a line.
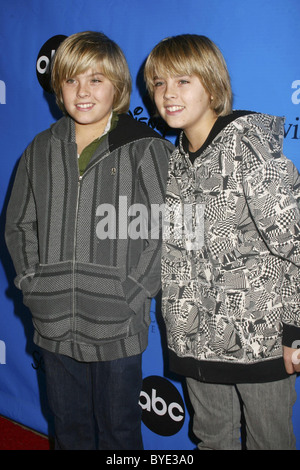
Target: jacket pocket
(48,295)
(102,312)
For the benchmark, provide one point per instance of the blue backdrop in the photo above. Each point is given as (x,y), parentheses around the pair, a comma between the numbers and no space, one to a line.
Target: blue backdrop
(260,41)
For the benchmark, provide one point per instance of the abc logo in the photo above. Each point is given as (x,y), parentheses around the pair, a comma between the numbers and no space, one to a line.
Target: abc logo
(162,405)
(43,63)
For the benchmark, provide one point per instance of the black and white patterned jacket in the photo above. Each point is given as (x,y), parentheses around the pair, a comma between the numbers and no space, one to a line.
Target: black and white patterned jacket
(231,255)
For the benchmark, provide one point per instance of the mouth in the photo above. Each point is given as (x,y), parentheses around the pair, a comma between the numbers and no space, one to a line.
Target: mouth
(84,106)
(174,109)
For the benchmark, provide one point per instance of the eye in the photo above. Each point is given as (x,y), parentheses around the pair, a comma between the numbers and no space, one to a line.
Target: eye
(158,83)
(183,82)
(70,81)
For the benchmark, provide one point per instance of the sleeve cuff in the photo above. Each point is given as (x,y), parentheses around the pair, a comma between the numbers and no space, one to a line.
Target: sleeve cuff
(291,334)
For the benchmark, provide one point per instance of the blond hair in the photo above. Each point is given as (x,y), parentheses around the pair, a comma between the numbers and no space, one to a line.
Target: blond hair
(191,54)
(82,51)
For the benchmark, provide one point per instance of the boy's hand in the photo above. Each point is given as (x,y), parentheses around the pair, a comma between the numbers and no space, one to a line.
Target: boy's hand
(291,359)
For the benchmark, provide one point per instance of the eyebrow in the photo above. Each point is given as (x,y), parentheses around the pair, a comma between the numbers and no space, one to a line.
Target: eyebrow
(95,73)
(157,77)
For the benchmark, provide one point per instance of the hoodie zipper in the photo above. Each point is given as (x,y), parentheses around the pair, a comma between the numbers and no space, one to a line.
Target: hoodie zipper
(74,254)
(80,177)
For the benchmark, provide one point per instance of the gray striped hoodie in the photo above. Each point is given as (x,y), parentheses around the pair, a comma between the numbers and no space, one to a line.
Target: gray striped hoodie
(86,282)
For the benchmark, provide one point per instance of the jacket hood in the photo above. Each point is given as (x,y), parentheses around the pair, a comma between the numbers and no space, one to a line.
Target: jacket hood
(127,130)
(269,127)
(64,129)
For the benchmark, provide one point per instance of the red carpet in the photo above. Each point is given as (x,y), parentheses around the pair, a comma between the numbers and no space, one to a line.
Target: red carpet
(14,436)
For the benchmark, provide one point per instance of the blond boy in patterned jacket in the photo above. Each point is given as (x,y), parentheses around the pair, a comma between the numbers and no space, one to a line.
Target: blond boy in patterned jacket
(231,254)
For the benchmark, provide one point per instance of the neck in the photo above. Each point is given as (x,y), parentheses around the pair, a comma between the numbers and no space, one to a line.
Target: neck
(197,136)
(87,133)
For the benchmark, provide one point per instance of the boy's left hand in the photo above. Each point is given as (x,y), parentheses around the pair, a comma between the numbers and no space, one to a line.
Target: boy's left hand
(291,359)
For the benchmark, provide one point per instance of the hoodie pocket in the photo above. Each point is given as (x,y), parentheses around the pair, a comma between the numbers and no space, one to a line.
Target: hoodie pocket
(102,312)
(48,295)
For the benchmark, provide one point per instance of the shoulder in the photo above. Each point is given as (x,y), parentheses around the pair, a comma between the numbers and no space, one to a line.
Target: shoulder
(260,123)
(137,128)
(258,131)
(59,129)
(130,130)
(39,142)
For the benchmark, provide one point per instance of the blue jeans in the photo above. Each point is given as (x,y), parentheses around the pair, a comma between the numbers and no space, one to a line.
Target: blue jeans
(95,405)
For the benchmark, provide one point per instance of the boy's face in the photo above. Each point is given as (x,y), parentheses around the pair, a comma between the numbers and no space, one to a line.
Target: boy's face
(88,98)
(183,103)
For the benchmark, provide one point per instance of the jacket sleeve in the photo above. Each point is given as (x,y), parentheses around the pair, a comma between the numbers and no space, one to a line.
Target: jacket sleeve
(272,190)
(21,224)
(144,278)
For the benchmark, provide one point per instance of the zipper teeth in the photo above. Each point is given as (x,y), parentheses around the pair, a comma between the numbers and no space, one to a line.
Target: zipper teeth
(74,250)
(75,236)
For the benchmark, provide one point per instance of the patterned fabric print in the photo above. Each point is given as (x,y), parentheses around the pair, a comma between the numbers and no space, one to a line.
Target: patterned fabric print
(228,299)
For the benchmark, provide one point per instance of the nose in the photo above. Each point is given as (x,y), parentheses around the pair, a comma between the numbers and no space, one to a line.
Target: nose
(82,90)
(170,90)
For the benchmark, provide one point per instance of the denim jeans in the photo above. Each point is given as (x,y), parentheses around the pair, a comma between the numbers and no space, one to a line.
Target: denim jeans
(95,405)
(267,410)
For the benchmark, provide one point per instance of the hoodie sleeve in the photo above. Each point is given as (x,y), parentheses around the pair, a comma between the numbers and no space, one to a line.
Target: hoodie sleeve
(144,278)
(272,191)
(21,223)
